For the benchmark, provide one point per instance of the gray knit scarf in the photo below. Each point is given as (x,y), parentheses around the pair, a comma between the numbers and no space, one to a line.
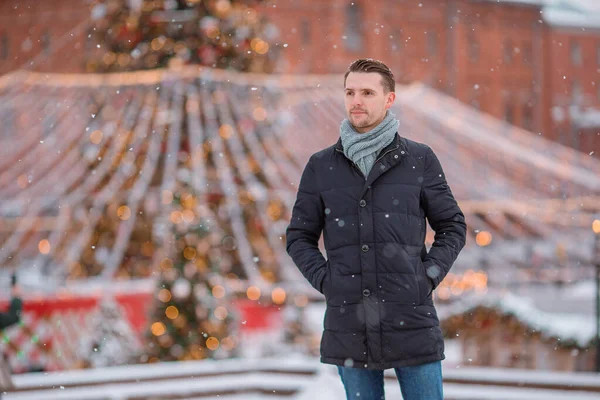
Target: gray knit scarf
(362,148)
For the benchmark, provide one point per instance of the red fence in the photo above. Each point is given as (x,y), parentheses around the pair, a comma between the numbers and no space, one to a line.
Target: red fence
(52,329)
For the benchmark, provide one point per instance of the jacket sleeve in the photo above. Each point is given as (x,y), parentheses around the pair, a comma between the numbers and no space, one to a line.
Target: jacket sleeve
(304,230)
(13,315)
(445,218)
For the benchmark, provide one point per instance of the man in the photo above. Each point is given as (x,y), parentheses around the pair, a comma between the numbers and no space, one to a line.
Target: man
(370,194)
(11,317)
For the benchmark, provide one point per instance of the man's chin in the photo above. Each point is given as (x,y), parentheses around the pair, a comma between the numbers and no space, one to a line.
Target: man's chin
(359,122)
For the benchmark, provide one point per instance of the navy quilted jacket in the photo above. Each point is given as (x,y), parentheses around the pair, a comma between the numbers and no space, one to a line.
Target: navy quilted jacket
(378,276)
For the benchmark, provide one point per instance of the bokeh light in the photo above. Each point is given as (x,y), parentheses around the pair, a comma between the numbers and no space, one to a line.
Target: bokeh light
(218,292)
(212,343)
(483,238)
(124,213)
(278,296)
(158,329)
(44,246)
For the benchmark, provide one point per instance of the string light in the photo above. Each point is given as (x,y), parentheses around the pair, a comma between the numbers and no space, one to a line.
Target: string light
(278,296)
(22,181)
(166,264)
(221,313)
(176,217)
(189,253)
(172,312)
(164,295)
(483,238)
(225,131)
(596,226)
(212,343)
(253,293)
(158,329)
(124,213)
(44,246)
(259,114)
(96,137)
(218,292)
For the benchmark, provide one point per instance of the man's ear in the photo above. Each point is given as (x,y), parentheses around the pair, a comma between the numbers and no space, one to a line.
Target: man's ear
(389,101)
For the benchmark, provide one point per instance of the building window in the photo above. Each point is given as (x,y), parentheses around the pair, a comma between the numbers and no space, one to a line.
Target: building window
(475,99)
(528,116)
(45,41)
(562,137)
(353,31)
(305,29)
(576,57)
(509,115)
(473,46)
(396,40)
(528,53)
(4,47)
(432,44)
(90,39)
(508,51)
(576,92)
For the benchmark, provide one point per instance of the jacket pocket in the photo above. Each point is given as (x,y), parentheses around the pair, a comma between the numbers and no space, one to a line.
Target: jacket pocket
(326,279)
(425,285)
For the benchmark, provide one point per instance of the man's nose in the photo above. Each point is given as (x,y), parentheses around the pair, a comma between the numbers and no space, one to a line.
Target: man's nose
(357,101)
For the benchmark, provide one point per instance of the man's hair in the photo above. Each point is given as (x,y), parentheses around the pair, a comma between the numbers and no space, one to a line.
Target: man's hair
(370,65)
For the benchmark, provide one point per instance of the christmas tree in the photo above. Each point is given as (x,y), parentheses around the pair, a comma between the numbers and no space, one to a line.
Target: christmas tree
(131,35)
(193,318)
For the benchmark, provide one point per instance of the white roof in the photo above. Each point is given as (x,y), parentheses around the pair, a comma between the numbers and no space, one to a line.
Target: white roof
(566,13)
(583,18)
(555,323)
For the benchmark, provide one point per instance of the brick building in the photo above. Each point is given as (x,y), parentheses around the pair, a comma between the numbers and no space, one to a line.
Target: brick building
(44,36)
(522,61)
(572,80)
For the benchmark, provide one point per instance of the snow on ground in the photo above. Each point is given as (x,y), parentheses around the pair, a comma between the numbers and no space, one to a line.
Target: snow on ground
(325,385)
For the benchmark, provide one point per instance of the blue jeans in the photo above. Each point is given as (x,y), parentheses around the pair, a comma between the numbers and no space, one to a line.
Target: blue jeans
(420,382)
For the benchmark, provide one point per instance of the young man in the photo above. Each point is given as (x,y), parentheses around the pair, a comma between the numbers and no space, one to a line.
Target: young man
(370,194)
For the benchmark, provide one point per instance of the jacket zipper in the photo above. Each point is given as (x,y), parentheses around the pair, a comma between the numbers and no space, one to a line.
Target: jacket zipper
(383,155)
(358,169)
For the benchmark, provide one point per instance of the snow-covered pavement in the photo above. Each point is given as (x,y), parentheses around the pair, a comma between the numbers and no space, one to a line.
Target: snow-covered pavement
(294,378)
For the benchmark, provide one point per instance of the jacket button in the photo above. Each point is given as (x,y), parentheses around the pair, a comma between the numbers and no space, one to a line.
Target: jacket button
(365,247)
(362,203)
(366,292)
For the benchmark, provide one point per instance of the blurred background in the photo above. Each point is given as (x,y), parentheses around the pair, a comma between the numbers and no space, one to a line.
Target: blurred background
(150,152)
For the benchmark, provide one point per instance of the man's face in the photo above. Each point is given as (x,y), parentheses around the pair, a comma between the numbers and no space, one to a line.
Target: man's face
(366,100)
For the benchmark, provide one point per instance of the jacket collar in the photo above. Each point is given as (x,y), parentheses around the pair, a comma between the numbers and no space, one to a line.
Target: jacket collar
(388,157)
(398,142)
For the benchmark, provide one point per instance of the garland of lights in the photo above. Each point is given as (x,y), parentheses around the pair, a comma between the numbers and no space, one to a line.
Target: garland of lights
(228,189)
(272,210)
(117,180)
(254,138)
(141,187)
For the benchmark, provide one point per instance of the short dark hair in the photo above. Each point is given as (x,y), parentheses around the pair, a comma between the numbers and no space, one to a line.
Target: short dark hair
(370,65)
